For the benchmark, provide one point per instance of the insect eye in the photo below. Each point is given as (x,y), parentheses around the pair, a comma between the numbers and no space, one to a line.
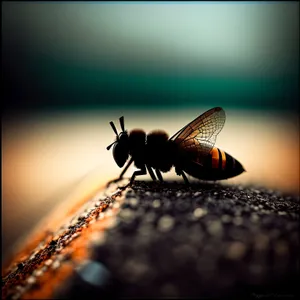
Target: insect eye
(120,154)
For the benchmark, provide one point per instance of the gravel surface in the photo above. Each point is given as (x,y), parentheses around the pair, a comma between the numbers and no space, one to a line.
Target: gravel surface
(203,241)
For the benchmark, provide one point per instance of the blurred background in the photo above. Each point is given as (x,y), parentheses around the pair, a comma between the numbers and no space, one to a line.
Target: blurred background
(70,68)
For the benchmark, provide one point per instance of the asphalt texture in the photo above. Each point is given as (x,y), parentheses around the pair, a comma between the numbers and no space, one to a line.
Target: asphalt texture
(200,241)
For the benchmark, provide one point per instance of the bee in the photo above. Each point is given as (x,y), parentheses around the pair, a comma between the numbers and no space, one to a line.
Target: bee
(191,150)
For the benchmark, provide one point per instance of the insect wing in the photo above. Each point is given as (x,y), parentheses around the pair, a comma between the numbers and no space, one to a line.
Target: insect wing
(201,133)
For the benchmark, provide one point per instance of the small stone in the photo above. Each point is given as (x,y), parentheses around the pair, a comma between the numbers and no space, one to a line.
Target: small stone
(178,194)
(31,280)
(126,214)
(199,212)
(156,203)
(55,265)
(261,242)
(101,216)
(282,213)
(97,203)
(149,217)
(116,205)
(59,249)
(48,262)
(109,213)
(209,199)
(38,273)
(75,235)
(32,256)
(254,218)
(226,219)
(53,243)
(133,202)
(145,230)
(197,194)
(236,251)
(44,269)
(238,213)
(94,273)
(215,228)
(112,222)
(182,206)
(238,221)
(165,223)
(92,221)
(134,270)
(98,238)
(20,288)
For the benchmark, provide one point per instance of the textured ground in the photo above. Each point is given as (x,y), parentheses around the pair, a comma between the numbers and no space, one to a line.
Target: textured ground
(206,240)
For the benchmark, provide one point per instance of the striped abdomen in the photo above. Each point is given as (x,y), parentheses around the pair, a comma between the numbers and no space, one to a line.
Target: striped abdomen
(218,165)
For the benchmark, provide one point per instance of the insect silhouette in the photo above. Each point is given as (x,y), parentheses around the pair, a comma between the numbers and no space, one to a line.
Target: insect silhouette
(190,150)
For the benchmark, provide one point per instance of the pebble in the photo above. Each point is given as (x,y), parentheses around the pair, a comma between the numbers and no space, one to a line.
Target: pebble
(261,242)
(31,280)
(199,212)
(236,250)
(226,219)
(93,273)
(149,217)
(156,203)
(238,221)
(38,273)
(215,228)
(165,223)
(127,214)
(48,262)
(55,265)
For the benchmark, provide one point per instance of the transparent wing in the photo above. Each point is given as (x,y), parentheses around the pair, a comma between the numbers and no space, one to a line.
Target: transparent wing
(200,135)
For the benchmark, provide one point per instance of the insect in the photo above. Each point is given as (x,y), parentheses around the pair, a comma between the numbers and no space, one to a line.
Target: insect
(190,150)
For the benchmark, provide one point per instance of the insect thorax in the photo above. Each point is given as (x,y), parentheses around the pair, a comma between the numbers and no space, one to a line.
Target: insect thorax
(159,151)
(153,149)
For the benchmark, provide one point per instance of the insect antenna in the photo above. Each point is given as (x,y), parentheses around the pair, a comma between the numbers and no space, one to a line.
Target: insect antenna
(115,131)
(108,147)
(113,127)
(122,123)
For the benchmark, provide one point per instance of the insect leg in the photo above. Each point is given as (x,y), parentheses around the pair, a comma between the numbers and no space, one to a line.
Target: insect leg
(122,173)
(180,172)
(126,168)
(185,178)
(150,171)
(142,171)
(158,173)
